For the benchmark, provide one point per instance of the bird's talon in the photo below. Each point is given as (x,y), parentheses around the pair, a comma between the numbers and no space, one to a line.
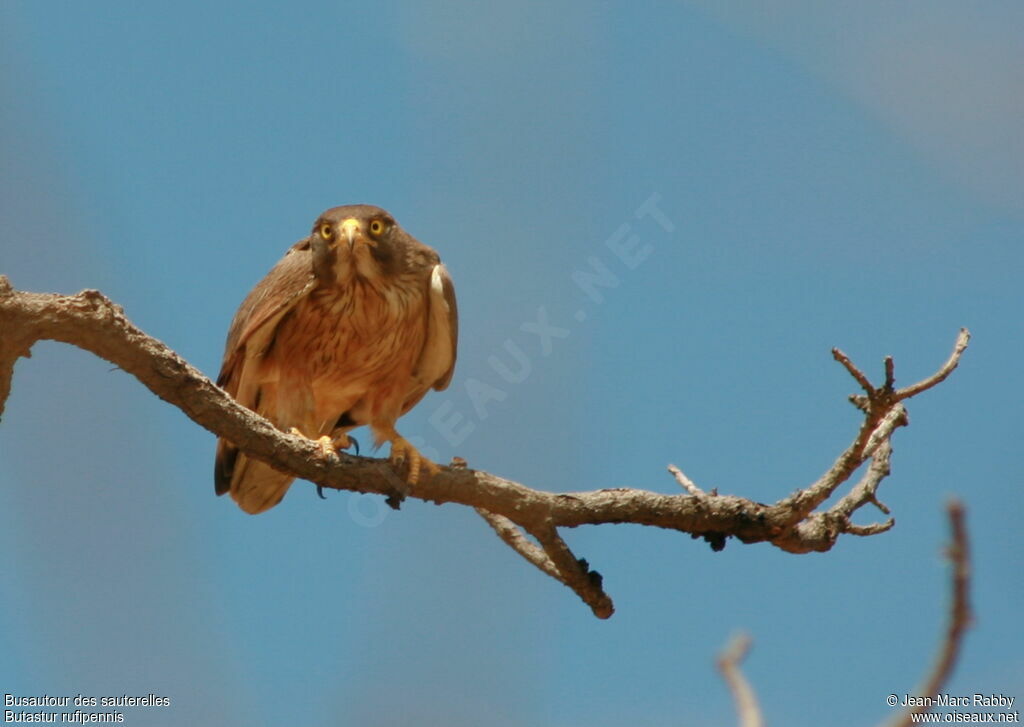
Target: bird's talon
(327,450)
(405,455)
(325,443)
(345,441)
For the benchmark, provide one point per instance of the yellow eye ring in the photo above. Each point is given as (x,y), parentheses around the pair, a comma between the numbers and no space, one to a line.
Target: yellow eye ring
(376,227)
(326,231)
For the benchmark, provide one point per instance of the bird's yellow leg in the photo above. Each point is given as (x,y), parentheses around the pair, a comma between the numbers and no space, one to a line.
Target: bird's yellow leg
(325,442)
(404,453)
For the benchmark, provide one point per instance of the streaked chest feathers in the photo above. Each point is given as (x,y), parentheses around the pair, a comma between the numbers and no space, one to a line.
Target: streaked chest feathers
(356,334)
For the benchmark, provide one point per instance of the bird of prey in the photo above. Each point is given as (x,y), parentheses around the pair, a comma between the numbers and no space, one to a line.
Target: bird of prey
(352,327)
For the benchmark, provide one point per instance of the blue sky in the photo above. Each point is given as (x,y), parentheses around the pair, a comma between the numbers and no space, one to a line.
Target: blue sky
(832,175)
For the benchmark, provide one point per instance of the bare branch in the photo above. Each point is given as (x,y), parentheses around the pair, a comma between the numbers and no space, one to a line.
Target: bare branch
(574,572)
(685,482)
(895,417)
(939,376)
(747,708)
(890,374)
(91,322)
(513,536)
(864,491)
(960,618)
(883,414)
(855,372)
(876,429)
(868,530)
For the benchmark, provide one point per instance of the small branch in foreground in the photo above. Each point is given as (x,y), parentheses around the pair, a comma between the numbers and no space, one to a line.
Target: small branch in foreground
(747,708)
(959,555)
(92,322)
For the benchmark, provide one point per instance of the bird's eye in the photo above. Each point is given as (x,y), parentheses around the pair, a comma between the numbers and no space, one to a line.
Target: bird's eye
(376,227)
(326,231)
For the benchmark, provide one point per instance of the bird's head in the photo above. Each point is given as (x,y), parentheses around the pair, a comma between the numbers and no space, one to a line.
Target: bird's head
(356,239)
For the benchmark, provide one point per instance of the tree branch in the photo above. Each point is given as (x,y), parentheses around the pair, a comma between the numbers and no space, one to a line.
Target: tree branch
(959,555)
(729,661)
(939,376)
(514,538)
(554,558)
(574,572)
(91,322)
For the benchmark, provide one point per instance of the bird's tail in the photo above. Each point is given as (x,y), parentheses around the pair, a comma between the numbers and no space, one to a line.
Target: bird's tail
(256,487)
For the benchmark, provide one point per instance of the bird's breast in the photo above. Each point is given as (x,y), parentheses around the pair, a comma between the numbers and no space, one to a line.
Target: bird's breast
(350,336)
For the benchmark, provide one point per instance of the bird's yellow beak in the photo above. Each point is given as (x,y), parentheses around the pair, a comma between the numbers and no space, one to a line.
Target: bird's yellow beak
(350,228)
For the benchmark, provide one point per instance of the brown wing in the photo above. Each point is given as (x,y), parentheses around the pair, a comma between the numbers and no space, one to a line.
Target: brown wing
(285,284)
(251,333)
(446,325)
(437,360)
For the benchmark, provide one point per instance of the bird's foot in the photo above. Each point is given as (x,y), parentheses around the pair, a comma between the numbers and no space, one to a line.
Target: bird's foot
(327,451)
(344,441)
(326,444)
(404,454)
(327,447)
